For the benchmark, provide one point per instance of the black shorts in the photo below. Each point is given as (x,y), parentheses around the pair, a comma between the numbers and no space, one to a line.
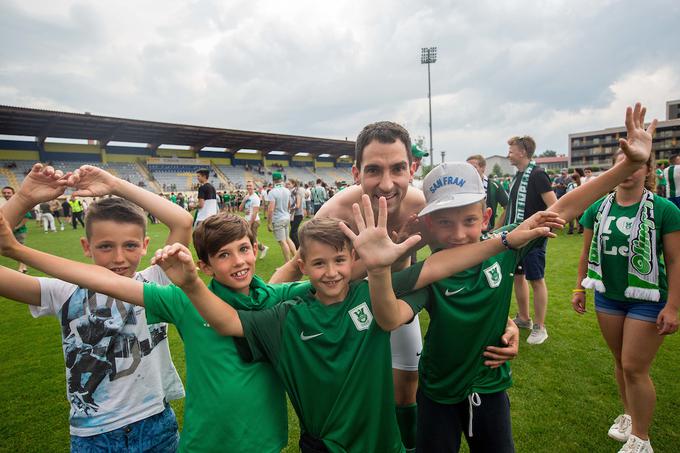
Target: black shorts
(533,264)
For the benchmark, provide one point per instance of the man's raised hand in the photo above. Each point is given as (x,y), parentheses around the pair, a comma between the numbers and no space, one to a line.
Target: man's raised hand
(373,243)
(638,144)
(178,264)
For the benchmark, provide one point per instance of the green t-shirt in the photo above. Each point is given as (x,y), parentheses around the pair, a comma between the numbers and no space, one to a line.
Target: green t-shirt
(495,195)
(660,177)
(468,312)
(23,228)
(335,363)
(230,405)
(616,232)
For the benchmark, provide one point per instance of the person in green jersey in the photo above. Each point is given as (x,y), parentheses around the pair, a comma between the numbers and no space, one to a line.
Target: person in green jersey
(672,177)
(230,405)
(631,244)
(333,359)
(660,180)
(495,194)
(457,392)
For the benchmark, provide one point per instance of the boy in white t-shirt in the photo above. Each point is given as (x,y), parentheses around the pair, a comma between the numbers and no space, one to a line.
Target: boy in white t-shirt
(251,205)
(119,373)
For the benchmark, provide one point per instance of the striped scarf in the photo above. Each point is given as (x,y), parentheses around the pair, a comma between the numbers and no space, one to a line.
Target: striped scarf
(516,211)
(643,266)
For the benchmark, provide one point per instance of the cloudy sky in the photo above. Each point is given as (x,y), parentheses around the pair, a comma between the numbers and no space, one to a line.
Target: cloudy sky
(321,68)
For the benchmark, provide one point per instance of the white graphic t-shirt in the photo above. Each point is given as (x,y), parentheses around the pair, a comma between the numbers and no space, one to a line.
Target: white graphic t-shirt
(118,368)
(252,201)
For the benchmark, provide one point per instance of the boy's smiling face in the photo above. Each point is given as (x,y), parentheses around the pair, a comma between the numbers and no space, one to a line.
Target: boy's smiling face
(453,227)
(329,270)
(233,265)
(116,246)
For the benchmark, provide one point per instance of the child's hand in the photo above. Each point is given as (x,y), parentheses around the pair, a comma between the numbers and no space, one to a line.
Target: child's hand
(43,183)
(536,226)
(373,244)
(178,264)
(91,181)
(7,239)
(498,355)
(638,145)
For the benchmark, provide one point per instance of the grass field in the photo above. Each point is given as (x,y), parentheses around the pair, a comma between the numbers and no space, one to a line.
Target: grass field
(563,400)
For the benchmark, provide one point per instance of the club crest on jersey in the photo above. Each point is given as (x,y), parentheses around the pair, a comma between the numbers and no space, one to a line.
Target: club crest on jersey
(493,275)
(361,316)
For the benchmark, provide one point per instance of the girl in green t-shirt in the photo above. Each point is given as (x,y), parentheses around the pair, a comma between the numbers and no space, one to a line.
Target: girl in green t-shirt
(632,232)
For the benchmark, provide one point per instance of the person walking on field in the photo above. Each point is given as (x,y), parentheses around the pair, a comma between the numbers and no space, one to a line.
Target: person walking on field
(530,192)
(631,245)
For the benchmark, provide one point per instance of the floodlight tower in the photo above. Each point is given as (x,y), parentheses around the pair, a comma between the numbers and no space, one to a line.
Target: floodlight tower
(428,55)
(443,156)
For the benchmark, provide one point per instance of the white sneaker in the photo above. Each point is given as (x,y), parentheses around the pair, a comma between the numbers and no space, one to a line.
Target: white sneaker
(538,335)
(636,445)
(620,430)
(521,323)
(264,251)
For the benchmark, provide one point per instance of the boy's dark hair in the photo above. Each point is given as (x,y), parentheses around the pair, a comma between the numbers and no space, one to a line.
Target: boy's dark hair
(203,172)
(526,142)
(115,209)
(385,132)
(479,158)
(324,230)
(217,231)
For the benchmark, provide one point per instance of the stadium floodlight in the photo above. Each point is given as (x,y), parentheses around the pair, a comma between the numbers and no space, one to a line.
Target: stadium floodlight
(428,56)
(443,156)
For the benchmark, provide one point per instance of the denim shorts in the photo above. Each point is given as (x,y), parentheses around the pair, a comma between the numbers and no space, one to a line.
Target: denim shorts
(532,265)
(643,311)
(157,433)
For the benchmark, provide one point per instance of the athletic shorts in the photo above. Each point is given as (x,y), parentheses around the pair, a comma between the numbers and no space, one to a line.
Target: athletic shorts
(407,344)
(533,264)
(642,311)
(281,228)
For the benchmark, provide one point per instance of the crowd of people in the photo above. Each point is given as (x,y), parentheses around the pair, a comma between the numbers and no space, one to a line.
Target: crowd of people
(345,344)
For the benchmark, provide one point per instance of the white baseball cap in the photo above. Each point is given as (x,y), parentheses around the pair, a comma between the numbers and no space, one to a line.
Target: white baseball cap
(450,185)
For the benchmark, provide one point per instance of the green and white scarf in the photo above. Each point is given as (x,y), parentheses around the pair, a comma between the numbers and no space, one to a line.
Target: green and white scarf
(516,212)
(643,266)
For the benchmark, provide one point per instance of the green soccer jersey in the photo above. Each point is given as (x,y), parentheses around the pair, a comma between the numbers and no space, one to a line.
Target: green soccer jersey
(335,363)
(230,405)
(615,236)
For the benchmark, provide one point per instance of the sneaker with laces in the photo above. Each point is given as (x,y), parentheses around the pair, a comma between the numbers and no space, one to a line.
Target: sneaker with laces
(521,323)
(636,445)
(538,335)
(264,251)
(620,430)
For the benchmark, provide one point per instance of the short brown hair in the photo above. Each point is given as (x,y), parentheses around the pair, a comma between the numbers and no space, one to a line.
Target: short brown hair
(114,209)
(218,230)
(526,142)
(479,158)
(384,132)
(650,180)
(324,230)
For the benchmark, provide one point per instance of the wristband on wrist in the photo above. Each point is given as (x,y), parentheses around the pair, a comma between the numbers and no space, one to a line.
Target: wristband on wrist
(504,240)
(578,290)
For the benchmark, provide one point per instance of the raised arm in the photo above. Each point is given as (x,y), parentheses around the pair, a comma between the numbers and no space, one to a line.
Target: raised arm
(179,266)
(89,276)
(637,148)
(94,182)
(43,183)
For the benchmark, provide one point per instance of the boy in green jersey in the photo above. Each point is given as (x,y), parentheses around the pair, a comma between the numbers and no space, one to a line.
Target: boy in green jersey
(230,405)
(457,392)
(333,359)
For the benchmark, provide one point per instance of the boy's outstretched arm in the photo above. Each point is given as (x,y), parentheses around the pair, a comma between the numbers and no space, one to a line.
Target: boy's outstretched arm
(179,266)
(636,147)
(89,276)
(43,183)
(94,182)
(20,287)
(378,253)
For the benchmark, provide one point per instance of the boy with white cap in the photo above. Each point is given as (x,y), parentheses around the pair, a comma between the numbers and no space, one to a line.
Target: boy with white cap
(457,392)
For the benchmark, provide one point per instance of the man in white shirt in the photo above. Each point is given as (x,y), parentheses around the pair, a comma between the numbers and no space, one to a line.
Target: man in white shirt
(251,206)
(278,216)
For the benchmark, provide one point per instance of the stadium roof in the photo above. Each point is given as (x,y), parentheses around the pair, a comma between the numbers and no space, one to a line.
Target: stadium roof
(45,123)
